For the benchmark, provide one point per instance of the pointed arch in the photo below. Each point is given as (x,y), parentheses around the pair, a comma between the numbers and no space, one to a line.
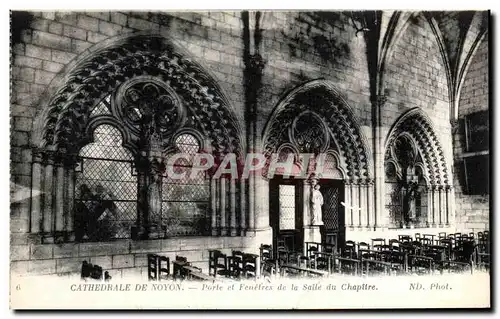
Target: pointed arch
(418,125)
(323,99)
(67,113)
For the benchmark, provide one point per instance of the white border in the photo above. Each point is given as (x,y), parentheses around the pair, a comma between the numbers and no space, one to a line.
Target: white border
(188,5)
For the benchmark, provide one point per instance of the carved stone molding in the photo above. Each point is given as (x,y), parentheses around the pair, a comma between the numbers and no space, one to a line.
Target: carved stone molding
(255,63)
(335,116)
(139,56)
(418,126)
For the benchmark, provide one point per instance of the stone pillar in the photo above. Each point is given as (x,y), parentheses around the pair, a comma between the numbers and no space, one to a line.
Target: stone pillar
(251,202)
(48,214)
(142,198)
(36,193)
(442,205)
(382,218)
(222,207)
(262,203)
(232,206)
(59,196)
(369,205)
(356,212)
(69,198)
(429,205)
(435,205)
(362,203)
(306,208)
(347,202)
(213,206)
(448,205)
(243,217)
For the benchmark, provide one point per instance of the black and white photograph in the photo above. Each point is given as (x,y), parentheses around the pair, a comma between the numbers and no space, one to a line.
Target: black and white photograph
(250,159)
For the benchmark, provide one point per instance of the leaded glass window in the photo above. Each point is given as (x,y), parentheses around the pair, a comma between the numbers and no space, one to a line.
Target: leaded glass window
(287,207)
(105,188)
(185,201)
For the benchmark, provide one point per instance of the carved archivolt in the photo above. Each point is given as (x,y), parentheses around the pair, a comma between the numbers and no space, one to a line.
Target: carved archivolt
(331,127)
(140,56)
(418,126)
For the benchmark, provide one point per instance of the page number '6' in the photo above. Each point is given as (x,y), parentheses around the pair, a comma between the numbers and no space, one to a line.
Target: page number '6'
(18,287)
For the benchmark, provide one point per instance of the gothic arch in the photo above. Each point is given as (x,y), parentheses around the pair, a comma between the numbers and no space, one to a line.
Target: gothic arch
(418,125)
(67,114)
(323,99)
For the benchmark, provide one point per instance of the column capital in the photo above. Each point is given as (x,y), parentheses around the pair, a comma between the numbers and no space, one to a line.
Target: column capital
(49,157)
(37,154)
(379,100)
(70,160)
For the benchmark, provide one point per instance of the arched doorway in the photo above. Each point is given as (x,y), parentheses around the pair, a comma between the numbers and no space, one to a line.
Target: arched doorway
(417,180)
(314,125)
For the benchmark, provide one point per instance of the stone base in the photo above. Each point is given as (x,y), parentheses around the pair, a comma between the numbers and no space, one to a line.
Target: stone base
(312,234)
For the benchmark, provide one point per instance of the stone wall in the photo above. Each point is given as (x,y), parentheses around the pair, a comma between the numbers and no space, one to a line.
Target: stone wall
(296,46)
(415,76)
(121,258)
(472,211)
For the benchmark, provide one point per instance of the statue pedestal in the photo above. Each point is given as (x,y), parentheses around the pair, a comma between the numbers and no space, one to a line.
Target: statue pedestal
(312,234)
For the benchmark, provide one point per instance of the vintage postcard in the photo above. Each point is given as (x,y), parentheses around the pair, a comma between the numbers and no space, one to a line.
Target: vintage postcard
(249,159)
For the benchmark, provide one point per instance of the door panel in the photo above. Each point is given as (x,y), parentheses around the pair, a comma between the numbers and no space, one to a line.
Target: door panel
(333,231)
(285,202)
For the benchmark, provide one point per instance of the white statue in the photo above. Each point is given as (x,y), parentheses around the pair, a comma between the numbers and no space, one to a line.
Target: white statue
(316,203)
(154,200)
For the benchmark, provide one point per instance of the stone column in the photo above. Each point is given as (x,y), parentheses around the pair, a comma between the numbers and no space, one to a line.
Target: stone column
(59,194)
(369,205)
(306,208)
(442,205)
(362,203)
(435,205)
(213,206)
(347,202)
(232,206)
(69,197)
(251,202)
(262,203)
(382,218)
(243,217)
(356,212)
(450,205)
(48,190)
(222,199)
(429,205)
(36,192)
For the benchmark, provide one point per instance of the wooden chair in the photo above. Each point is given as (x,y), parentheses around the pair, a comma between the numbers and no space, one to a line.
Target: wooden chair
(420,264)
(218,264)
(363,246)
(250,265)
(94,272)
(404,238)
(152,267)
(163,268)
(235,263)
(377,243)
(178,269)
(266,252)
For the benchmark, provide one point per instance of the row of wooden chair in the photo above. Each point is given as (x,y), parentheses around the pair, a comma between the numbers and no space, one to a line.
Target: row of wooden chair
(237,265)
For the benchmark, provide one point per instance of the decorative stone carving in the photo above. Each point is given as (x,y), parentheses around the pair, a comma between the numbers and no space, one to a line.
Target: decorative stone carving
(417,125)
(137,56)
(336,116)
(309,133)
(255,62)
